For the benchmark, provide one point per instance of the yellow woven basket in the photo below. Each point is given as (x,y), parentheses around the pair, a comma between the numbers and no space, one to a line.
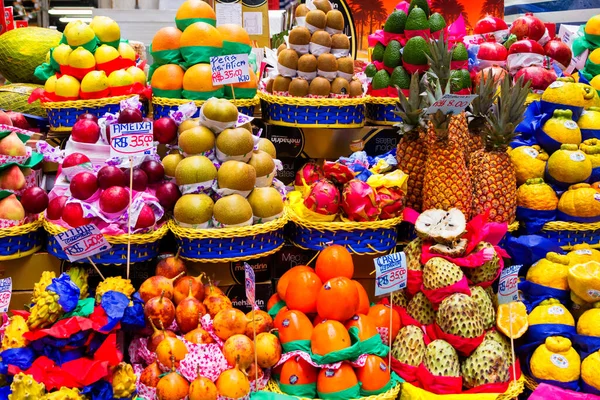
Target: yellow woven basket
(515,388)
(20,241)
(530,383)
(569,234)
(380,110)
(162,106)
(230,244)
(391,394)
(303,112)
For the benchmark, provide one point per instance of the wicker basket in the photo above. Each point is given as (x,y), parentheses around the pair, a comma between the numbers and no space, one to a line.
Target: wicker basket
(62,115)
(161,106)
(144,246)
(230,244)
(375,237)
(304,112)
(380,110)
(20,241)
(515,388)
(391,394)
(569,234)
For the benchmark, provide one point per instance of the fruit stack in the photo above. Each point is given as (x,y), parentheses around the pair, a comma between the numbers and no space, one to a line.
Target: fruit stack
(34,358)
(199,345)
(447,343)
(329,333)
(181,68)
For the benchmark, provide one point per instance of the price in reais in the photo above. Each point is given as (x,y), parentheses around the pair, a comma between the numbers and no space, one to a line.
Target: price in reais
(391,273)
(131,139)
(230,69)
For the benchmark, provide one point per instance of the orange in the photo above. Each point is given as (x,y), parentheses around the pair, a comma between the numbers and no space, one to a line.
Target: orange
(272,301)
(328,337)
(251,84)
(318,320)
(279,317)
(296,371)
(338,299)
(336,380)
(515,314)
(363,299)
(166,38)
(365,324)
(234,33)
(198,78)
(168,77)
(201,34)
(295,325)
(380,314)
(284,281)
(302,292)
(374,375)
(195,9)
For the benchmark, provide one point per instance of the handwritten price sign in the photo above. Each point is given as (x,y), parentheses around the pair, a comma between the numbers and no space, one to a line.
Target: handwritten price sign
(508,286)
(231,69)
(5,293)
(390,273)
(131,139)
(451,103)
(82,242)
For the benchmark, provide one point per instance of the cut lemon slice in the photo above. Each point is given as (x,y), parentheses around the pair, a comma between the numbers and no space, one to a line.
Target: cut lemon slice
(511,319)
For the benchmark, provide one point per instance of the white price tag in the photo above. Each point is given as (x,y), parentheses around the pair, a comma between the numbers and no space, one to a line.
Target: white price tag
(5,293)
(508,286)
(390,273)
(451,103)
(230,69)
(82,242)
(131,139)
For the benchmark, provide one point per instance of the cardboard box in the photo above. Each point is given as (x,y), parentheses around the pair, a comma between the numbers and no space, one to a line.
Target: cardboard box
(26,271)
(237,294)
(290,256)
(19,299)
(226,274)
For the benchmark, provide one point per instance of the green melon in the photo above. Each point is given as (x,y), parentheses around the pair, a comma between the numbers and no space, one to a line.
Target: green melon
(14,97)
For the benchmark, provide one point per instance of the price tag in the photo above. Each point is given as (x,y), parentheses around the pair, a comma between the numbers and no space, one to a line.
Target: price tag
(5,293)
(451,103)
(82,242)
(131,139)
(390,273)
(230,69)
(250,282)
(508,286)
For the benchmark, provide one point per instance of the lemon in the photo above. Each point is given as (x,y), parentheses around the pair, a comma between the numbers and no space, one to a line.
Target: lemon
(589,322)
(61,53)
(536,195)
(137,74)
(550,312)
(50,85)
(550,271)
(584,281)
(67,86)
(555,360)
(529,162)
(106,29)
(569,165)
(562,128)
(582,253)
(120,78)
(105,53)
(126,51)
(94,81)
(79,34)
(590,370)
(593,25)
(81,58)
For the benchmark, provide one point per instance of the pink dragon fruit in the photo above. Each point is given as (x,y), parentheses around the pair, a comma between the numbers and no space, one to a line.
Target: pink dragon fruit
(391,201)
(338,173)
(323,198)
(359,201)
(310,172)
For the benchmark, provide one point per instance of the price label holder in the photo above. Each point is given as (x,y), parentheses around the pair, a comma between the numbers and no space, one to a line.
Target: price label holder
(508,285)
(451,103)
(127,140)
(227,70)
(390,273)
(5,293)
(83,242)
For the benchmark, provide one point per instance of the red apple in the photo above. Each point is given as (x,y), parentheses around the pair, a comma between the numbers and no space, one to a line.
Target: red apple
(18,120)
(85,131)
(88,116)
(146,218)
(489,24)
(129,116)
(34,200)
(559,51)
(492,51)
(83,185)
(140,179)
(55,207)
(165,130)
(73,215)
(154,170)
(167,194)
(111,176)
(528,26)
(540,77)
(5,119)
(526,46)
(114,199)
(74,159)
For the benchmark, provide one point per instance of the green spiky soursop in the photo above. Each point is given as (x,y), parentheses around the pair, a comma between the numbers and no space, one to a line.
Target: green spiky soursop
(484,305)
(441,359)
(421,309)
(489,363)
(412,251)
(458,315)
(399,298)
(487,271)
(499,338)
(439,273)
(409,346)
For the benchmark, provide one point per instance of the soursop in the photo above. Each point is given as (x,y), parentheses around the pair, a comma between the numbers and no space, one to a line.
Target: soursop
(439,273)
(498,338)
(487,271)
(458,315)
(409,346)
(412,251)
(399,298)
(489,363)
(485,306)
(441,359)
(421,309)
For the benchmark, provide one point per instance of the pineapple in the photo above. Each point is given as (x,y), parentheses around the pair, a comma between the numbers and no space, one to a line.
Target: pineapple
(493,175)
(479,109)
(412,150)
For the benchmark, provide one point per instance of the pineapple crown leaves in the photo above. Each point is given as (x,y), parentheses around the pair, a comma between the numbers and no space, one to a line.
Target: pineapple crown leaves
(506,116)
(482,104)
(440,59)
(412,109)
(434,91)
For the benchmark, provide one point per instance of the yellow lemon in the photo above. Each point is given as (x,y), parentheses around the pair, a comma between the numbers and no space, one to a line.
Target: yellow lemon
(81,58)
(584,281)
(94,81)
(50,85)
(589,322)
(120,78)
(126,51)
(137,74)
(590,370)
(529,162)
(536,195)
(106,29)
(582,253)
(550,312)
(105,53)
(61,54)
(550,271)
(593,25)
(569,165)
(79,34)
(67,86)
(555,360)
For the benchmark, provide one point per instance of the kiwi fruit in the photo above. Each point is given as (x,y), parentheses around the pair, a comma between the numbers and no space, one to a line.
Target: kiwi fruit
(335,20)
(307,63)
(195,169)
(193,209)
(301,11)
(299,36)
(327,63)
(321,38)
(197,140)
(269,87)
(288,58)
(340,86)
(323,5)
(346,65)
(267,146)
(298,87)
(236,175)
(281,84)
(232,210)
(235,142)
(340,41)
(319,87)
(266,202)
(356,89)
(316,18)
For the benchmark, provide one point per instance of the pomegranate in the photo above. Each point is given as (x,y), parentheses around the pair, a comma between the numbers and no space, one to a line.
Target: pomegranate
(492,51)
(559,51)
(202,389)
(489,24)
(229,322)
(268,349)
(540,77)
(170,352)
(151,375)
(155,285)
(528,26)
(160,310)
(158,337)
(172,387)
(239,350)
(526,46)
(262,323)
(233,383)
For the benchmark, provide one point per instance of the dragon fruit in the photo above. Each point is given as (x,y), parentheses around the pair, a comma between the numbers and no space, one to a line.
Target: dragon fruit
(323,198)
(391,201)
(359,201)
(339,174)
(310,173)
